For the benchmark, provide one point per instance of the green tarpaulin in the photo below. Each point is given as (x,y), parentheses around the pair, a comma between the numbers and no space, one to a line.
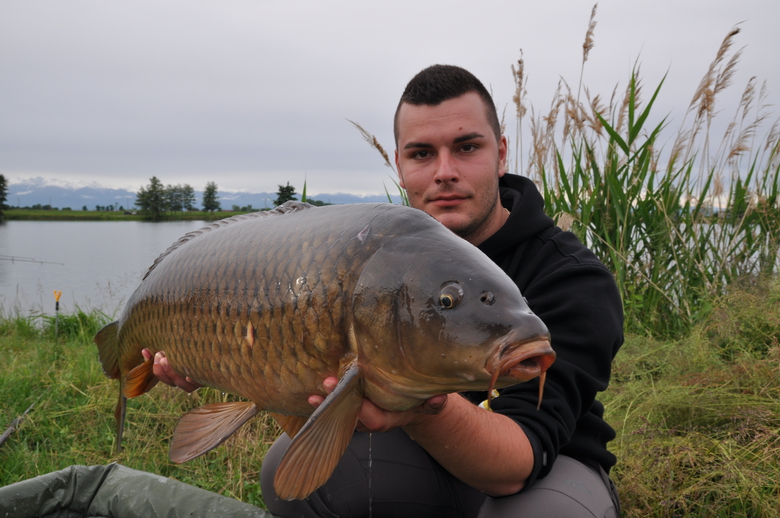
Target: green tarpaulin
(115,491)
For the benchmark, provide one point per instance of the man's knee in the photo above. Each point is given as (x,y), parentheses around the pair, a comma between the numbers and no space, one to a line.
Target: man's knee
(570,490)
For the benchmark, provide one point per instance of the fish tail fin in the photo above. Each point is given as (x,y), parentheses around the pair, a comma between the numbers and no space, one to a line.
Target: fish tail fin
(108,349)
(119,415)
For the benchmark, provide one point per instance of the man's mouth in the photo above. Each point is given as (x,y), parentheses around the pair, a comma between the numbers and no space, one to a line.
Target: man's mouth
(447,200)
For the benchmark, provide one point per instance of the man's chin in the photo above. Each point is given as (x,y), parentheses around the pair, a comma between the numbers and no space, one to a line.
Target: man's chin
(458,223)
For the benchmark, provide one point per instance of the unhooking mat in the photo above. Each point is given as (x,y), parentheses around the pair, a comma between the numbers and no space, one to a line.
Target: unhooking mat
(115,491)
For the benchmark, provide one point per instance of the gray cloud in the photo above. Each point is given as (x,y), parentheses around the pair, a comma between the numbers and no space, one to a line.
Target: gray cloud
(253,94)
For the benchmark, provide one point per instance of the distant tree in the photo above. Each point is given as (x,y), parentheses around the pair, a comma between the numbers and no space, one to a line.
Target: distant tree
(285,194)
(151,199)
(187,194)
(173,198)
(84,208)
(210,199)
(3,194)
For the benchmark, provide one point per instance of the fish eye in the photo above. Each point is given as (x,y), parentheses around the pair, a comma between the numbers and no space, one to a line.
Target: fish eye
(450,295)
(487,298)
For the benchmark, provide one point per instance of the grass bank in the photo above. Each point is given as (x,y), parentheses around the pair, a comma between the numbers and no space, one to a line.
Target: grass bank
(72,421)
(697,418)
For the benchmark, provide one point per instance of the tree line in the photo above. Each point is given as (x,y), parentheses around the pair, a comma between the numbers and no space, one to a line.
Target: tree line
(156,199)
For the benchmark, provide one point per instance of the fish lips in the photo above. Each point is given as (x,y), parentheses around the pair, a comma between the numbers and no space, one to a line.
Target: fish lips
(519,361)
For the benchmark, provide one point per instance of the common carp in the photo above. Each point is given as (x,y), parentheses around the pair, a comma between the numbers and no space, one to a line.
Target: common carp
(267,305)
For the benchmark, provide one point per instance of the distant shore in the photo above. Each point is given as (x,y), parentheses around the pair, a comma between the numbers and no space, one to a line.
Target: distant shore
(115,215)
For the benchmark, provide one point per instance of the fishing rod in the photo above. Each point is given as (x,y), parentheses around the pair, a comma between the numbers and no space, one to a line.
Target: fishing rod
(19,259)
(15,424)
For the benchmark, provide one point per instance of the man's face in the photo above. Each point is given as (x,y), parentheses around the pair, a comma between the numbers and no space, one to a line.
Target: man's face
(449,162)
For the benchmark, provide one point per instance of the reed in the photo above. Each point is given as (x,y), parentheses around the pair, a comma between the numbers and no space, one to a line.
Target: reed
(677,227)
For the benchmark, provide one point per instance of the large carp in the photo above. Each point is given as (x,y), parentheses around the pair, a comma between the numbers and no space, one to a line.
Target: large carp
(267,305)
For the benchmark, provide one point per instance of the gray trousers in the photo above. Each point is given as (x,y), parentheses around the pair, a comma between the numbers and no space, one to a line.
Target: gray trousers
(404,480)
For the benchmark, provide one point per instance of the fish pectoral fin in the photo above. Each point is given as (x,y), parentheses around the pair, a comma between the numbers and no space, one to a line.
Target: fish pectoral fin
(140,380)
(291,424)
(315,451)
(207,427)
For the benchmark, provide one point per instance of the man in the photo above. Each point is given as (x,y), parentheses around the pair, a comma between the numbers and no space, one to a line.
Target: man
(450,457)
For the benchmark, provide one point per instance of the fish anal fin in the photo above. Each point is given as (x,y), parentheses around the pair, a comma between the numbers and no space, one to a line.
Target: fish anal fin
(207,427)
(108,350)
(140,380)
(291,424)
(315,451)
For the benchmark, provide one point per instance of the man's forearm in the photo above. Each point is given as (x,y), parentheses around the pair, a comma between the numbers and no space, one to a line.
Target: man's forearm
(485,450)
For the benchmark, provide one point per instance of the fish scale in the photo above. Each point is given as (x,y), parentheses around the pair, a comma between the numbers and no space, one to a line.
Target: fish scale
(267,305)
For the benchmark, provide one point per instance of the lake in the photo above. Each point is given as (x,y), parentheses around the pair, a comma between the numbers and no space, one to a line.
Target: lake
(101,262)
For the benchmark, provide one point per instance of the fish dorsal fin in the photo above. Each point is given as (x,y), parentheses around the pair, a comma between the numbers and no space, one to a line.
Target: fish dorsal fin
(108,349)
(290,206)
(207,427)
(140,380)
(291,424)
(315,451)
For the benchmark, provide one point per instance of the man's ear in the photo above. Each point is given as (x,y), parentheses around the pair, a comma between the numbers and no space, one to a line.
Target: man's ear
(503,167)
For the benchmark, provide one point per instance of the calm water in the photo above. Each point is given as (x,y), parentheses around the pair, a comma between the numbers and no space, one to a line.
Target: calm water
(102,262)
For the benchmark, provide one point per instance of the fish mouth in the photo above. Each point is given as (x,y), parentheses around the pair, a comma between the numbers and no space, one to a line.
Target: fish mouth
(517,362)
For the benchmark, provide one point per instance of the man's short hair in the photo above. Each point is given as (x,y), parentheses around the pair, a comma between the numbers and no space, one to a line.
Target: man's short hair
(438,83)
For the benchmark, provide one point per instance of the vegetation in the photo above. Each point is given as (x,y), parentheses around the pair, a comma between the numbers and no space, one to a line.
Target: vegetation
(284,194)
(210,198)
(151,199)
(677,227)
(72,421)
(697,418)
(3,194)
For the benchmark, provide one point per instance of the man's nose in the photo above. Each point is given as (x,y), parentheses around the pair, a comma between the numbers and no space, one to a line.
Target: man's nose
(446,168)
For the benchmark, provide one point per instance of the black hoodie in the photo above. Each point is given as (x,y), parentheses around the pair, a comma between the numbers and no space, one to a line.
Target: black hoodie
(576,297)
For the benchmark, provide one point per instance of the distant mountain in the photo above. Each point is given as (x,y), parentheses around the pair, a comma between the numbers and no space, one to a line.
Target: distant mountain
(37,191)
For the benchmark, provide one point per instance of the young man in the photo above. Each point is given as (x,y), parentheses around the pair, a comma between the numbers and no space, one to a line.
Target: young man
(450,457)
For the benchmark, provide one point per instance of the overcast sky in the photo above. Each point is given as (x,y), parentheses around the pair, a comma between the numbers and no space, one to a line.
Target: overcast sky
(253,94)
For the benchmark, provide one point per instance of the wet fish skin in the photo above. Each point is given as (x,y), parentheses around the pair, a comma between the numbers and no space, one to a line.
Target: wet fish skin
(268,306)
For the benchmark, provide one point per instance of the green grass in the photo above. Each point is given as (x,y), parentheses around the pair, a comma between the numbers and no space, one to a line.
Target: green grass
(697,418)
(72,421)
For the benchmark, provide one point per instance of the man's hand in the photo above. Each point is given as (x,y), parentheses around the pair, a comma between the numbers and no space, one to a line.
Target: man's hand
(375,419)
(165,373)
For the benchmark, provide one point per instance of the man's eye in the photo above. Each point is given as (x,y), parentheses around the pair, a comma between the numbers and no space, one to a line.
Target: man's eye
(421,154)
(468,148)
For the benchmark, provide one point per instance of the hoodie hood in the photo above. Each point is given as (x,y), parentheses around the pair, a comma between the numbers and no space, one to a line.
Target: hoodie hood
(526,219)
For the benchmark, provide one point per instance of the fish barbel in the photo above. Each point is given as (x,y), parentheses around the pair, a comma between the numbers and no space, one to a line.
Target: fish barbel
(267,305)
